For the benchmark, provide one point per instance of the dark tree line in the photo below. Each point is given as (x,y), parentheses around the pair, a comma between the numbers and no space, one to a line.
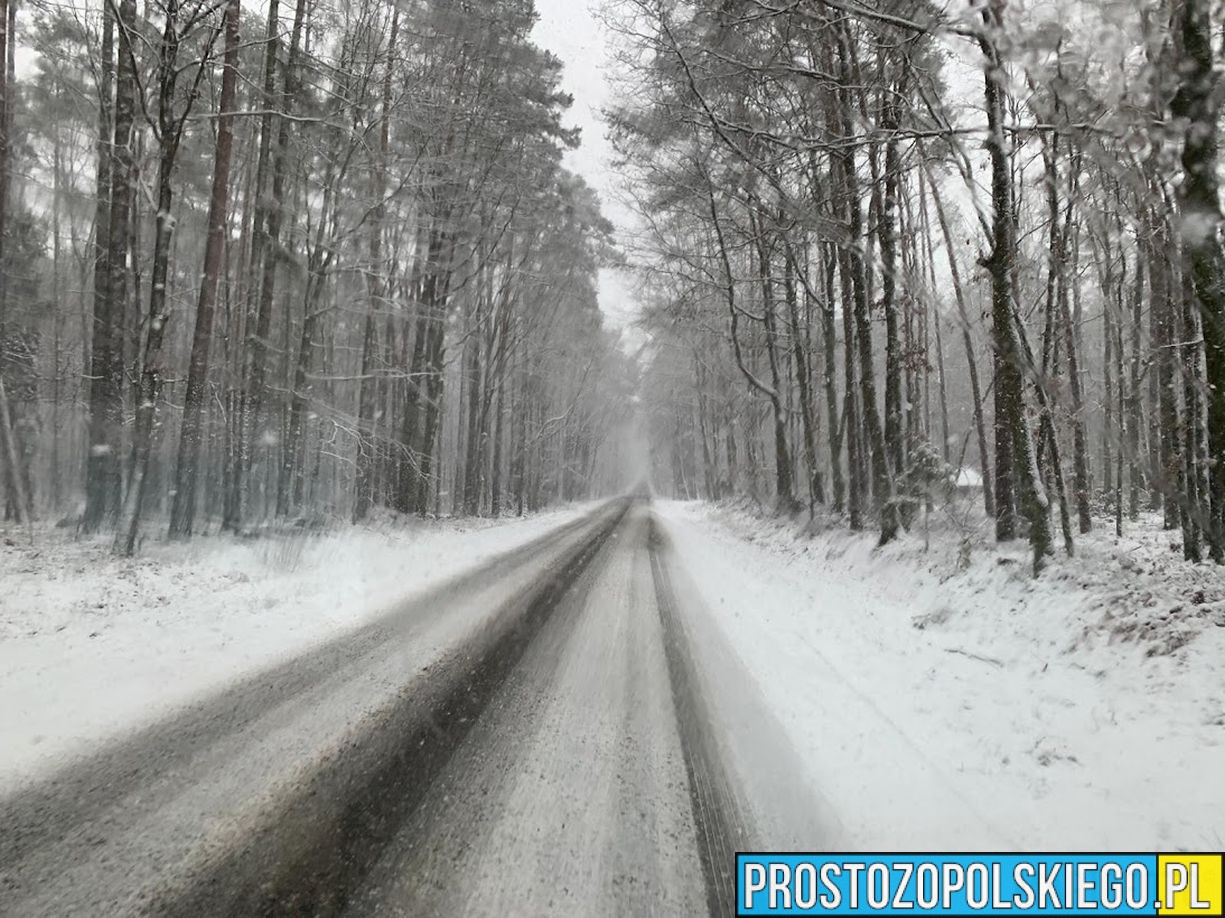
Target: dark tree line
(321,262)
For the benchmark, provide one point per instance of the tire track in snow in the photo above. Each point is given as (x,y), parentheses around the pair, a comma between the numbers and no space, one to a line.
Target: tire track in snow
(308,845)
(338,827)
(718,815)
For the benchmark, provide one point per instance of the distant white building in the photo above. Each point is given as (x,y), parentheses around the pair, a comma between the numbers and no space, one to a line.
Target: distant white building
(968,480)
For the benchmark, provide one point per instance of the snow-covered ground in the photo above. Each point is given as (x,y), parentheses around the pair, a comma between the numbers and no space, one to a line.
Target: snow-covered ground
(91,645)
(932,696)
(941,698)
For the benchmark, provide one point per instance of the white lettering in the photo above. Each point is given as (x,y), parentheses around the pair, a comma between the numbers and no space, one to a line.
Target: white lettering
(754,882)
(780,886)
(1173,885)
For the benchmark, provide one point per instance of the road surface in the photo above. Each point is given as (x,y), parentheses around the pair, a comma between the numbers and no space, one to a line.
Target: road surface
(532,738)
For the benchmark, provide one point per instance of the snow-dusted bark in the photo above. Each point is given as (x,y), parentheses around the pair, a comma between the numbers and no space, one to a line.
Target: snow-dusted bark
(1203,258)
(1018,482)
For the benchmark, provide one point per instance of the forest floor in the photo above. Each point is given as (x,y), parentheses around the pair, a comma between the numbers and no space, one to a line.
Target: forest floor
(92,645)
(941,698)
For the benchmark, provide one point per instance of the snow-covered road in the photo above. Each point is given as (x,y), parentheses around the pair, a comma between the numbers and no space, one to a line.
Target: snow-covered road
(570,795)
(535,737)
(249,790)
(594,721)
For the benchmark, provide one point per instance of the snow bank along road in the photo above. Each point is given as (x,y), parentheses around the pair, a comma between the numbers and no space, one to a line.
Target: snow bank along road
(533,737)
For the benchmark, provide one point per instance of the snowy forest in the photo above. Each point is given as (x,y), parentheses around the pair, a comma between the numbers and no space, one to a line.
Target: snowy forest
(520,457)
(891,241)
(297,260)
(310,260)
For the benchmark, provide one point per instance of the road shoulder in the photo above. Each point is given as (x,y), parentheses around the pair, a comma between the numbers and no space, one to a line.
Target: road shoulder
(93,646)
(935,709)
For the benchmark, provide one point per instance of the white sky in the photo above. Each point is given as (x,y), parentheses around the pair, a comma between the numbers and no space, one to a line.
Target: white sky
(570,29)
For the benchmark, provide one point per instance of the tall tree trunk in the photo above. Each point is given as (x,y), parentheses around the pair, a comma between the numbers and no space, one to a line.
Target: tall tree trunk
(1193,514)
(183,508)
(882,491)
(376,287)
(782,461)
(104,478)
(97,362)
(829,343)
(784,486)
(1057,290)
(1016,465)
(9,454)
(816,492)
(259,325)
(1204,262)
(291,477)
(1109,318)
(435,354)
(150,384)
(1134,407)
(856,475)
(887,229)
(410,470)
(239,457)
(1162,323)
(469,482)
(495,463)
